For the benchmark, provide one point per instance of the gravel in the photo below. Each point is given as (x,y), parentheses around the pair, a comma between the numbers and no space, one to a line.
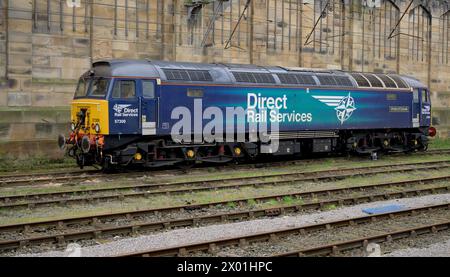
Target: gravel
(207,233)
(441,249)
(314,239)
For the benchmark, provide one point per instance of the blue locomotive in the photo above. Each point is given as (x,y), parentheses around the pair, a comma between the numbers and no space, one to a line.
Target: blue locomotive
(157,113)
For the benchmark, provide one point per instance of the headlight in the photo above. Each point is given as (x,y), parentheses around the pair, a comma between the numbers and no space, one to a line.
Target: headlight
(73,126)
(97,128)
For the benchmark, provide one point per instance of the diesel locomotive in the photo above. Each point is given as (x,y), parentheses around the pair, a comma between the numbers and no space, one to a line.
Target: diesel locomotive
(124,112)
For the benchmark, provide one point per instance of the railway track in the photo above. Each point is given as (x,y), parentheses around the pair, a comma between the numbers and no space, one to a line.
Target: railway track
(214,246)
(49,177)
(63,177)
(32,200)
(13,180)
(361,243)
(100,225)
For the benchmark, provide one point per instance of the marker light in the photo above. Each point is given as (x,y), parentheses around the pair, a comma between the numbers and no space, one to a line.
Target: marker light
(190,154)
(97,128)
(138,156)
(432,132)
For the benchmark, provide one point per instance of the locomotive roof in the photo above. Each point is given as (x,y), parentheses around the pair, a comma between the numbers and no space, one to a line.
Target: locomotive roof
(249,74)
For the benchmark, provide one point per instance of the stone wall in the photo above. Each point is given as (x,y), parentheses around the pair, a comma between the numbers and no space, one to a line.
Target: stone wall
(45,45)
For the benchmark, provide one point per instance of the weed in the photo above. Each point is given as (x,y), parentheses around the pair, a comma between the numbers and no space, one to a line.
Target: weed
(272,202)
(439,143)
(251,202)
(329,207)
(288,200)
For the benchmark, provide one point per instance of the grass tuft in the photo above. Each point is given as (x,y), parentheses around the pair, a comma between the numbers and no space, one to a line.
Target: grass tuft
(329,207)
(35,163)
(251,202)
(439,143)
(288,200)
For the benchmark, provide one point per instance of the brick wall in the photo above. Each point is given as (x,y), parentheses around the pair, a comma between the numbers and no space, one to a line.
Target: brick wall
(45,45)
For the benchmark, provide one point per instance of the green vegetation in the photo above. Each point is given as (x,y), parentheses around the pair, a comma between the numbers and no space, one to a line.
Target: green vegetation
(251,202)
(299,201)
(329,207)
(288,200)
(273,202)
(35,163)
(440,143)
(231,205)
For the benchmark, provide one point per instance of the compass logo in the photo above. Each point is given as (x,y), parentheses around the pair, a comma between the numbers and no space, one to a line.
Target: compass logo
(343,105)
(345,108)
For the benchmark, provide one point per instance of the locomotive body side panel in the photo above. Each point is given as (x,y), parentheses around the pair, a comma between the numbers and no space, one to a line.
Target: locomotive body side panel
(300,109)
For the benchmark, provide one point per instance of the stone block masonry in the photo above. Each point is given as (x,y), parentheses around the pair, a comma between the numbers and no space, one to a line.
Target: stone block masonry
(45,45)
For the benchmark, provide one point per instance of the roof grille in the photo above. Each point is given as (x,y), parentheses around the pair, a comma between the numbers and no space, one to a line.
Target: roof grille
(188,75)
(329,80)
(399,81)
(296,79)
(362,82)
(249,77)
(388,82)
(343,81)
(326,80)
(374,81)
(200,75)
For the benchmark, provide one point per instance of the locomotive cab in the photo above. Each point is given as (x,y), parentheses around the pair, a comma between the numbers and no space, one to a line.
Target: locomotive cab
(109,108)
(89,119)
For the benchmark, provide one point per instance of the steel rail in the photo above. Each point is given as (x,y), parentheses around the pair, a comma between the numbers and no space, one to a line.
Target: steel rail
(213,246)
(35,178)
(64,197)
(43,174)
(335,248)
(99,231)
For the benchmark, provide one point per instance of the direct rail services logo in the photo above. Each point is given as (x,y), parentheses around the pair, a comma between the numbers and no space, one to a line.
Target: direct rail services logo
(124,110)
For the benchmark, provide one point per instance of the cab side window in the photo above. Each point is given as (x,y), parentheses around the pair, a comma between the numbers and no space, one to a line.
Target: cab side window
(124,89)
(425,97)
(416,96)
(148,89)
